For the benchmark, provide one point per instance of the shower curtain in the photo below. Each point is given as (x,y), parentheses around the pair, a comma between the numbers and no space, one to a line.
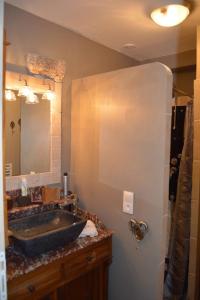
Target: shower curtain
(176,278)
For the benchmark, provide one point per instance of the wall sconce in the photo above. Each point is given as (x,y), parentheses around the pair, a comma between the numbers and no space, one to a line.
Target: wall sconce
(49,94)
(10,95)
(32,99)
(25,90)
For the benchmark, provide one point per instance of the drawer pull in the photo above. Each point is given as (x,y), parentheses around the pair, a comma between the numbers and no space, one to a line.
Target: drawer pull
(31,289)
(91,258)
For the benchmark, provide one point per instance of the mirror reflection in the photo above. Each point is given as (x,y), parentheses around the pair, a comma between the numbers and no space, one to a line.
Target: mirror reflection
(27,134)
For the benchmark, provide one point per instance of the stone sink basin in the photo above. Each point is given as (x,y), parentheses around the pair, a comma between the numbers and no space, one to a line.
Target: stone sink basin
(45,231)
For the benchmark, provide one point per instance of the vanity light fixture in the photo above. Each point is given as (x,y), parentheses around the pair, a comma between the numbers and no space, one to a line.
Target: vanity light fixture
(25,90)
(170,15)
(10,95)
(49,94)
(32,99)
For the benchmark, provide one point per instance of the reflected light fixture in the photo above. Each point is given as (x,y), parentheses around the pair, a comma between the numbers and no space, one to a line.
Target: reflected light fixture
(32,99)
(25,90)
(170,15)
(49,95)
(10,95)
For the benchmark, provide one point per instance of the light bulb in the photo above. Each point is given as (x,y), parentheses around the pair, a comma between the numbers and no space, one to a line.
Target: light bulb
(32,99)
(49,95)
(25,91)
(170,15)
(10,95)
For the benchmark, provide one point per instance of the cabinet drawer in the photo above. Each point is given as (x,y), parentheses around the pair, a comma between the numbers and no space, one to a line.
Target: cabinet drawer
(86,261)
(42,280)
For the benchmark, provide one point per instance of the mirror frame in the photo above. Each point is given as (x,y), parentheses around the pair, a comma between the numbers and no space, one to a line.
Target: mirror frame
(54,175)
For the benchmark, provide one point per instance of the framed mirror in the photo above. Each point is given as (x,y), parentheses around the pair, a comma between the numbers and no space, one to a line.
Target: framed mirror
(32,130)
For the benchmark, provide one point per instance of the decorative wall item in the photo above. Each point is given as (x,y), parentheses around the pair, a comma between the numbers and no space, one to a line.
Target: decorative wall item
(12,126)
(19,123)
(42,65)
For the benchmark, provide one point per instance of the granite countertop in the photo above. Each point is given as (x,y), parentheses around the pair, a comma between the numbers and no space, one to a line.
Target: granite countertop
(18,264)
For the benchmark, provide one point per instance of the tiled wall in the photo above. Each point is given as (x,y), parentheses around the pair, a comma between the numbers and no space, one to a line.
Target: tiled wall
(194,251)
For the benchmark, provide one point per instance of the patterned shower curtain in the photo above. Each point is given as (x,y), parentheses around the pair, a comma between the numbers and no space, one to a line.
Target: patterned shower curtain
(176,278)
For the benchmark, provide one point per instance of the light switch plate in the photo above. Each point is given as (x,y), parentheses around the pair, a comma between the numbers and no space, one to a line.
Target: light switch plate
(128,198)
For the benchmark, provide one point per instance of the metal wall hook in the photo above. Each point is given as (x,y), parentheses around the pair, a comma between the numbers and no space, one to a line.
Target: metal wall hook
(139,229)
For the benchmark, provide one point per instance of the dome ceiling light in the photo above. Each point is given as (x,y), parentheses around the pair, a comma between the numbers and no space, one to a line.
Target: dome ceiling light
(170,15)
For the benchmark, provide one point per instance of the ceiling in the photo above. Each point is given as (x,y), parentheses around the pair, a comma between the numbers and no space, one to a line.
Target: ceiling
(115,23)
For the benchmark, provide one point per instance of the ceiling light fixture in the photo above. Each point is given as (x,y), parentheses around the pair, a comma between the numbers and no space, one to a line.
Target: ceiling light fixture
(10,95)
(170,15)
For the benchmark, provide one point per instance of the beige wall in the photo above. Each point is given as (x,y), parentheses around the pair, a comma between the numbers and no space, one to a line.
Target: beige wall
(183,77)
(194,273)
(177,60)
(121,141)
(183,65)
(184,80)
(28,33)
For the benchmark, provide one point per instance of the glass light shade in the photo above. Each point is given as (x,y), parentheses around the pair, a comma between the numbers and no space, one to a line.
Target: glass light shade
(170,15)
(32,99)
(49,95)
(25,91)
(10,95)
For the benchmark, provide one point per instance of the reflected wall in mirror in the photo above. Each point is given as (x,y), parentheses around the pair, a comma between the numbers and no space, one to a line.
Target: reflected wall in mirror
(27,136)
(32,131)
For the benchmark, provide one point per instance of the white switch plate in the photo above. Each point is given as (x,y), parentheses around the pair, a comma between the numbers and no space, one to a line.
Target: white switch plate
(128,198)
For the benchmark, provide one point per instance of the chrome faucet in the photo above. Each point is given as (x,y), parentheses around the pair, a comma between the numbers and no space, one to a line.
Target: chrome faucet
(70,200)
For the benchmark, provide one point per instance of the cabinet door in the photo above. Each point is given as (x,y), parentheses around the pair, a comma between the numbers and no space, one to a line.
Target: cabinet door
(52,296)
(42,282)
(90,286)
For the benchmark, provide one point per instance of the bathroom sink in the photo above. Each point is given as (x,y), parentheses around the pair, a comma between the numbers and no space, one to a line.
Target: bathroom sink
(45,231)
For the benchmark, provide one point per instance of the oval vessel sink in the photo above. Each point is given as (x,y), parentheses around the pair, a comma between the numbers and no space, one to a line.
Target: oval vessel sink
(45,231)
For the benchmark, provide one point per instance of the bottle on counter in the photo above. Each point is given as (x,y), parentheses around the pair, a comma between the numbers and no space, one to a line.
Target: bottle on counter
(24,187)
(65,184)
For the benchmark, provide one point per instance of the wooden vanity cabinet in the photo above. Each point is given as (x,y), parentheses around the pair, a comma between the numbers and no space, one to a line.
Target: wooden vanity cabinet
(82,275)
